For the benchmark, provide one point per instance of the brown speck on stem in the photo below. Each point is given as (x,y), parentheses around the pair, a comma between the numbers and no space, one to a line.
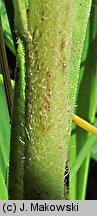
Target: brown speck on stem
(62,44)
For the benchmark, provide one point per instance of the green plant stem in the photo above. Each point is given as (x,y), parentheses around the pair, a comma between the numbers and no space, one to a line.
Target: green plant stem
(52,66)
(16,170)
(47,81)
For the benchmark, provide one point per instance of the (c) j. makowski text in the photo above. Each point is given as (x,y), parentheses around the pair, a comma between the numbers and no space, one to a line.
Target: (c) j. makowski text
(51,207)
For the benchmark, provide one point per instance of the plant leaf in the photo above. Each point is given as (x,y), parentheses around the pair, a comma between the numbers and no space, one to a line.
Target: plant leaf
(4,137)
(6,28)
(85,150)
(3,189)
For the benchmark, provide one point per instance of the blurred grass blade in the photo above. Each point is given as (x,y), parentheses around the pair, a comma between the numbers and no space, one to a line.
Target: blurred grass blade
(9,42)
(94,151)
(4,139)
(3,189)
(5,71)
(94,147)
(6,27)
(85,150)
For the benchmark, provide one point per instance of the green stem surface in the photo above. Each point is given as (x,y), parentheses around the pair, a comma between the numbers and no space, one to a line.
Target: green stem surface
(47,89)
(54,33)
(16,170)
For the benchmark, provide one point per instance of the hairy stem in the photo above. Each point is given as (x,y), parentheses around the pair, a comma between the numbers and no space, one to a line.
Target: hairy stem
(47,82)
(16,170)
